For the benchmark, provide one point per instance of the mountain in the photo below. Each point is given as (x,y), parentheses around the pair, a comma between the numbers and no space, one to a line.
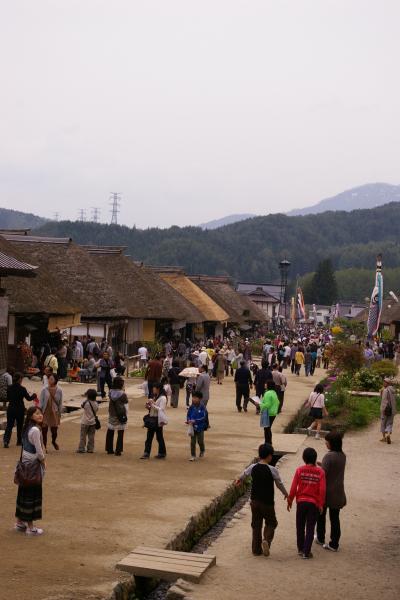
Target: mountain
(250,250)
(364,196)
(226,221)
(14,219)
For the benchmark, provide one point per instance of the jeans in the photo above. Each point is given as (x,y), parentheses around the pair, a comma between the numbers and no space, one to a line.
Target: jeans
(103,381)
(12,417)
(54,433)
(268,432)
(297,368)
(261,513)
(306,518)
(335,526)
(119,448)
(242,391)
(281,396)
(198,437)
(87,431)
(158,432)
(292,365)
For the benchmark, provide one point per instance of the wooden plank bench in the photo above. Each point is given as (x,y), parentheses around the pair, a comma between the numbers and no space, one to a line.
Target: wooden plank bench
(166,564)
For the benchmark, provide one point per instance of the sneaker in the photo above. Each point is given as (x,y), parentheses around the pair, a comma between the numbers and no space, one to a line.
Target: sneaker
(316,540)
(79,451)
(20,526)
(34,531)
(160,456)
(201,455)
(118,453)
(265,547)
(329,547)
(192,458)
(307,556)
(144,457)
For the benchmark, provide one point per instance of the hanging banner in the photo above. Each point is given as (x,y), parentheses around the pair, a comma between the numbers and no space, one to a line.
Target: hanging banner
(301,309)
(375,306)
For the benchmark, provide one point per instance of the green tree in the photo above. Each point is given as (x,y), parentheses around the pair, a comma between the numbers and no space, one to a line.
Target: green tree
(323,286)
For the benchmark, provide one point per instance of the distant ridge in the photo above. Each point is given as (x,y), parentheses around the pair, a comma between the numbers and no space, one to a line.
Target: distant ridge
(369,195)
(14,219)
(226,221)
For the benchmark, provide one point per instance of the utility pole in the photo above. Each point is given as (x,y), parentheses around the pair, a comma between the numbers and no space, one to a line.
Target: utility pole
(95,214)
(115,207)
(82,214)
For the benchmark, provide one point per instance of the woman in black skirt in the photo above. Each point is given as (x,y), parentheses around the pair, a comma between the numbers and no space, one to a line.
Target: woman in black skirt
(29,499)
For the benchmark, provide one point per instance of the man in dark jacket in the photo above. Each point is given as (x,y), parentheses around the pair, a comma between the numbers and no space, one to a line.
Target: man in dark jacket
(243,382)
(153,373)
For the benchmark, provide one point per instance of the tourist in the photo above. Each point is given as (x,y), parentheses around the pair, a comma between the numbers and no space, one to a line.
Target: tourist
(190,385)
(153,373)
(203,383)
(388,410)
(316,404)
(298,360)
(62,360)
(87,371)
(307,361)
(174,381)
(308,487)
(369,355)
(197,421)
(262,376)
(334,464)
(230,356)
(156,423)
(203,357)
(243,383)
(280,384)
(88,422)
(16,393)
(46,374)
(247,353)
(219,361)
(29,498)
(51,399)
(314,356)
(262,503)
(105,365)
(269,407)
(293,352)
(319,357)
(51,360)
(117,417)
(5,382)
(119,364)
(286,360)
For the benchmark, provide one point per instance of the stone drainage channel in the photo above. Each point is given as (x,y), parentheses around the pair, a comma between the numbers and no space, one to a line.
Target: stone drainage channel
(161,591)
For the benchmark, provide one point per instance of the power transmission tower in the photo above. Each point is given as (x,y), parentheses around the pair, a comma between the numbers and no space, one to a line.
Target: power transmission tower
(56,216)
(115,206)
(82,214)
(95,214)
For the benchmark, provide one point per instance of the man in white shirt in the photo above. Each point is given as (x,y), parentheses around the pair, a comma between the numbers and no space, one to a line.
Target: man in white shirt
(203,356)
(143,352)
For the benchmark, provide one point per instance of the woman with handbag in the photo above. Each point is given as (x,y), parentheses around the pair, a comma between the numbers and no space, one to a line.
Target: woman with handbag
(155,422)
(117,417)
(51,406)
(316,404)
(29,474)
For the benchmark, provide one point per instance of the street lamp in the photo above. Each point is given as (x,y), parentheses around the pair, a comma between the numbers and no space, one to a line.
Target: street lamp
(284,267)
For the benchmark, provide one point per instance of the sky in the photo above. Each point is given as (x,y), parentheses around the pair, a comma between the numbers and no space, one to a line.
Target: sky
(195,110)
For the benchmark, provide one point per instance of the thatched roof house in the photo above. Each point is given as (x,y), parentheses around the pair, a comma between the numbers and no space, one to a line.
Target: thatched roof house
(240,308)
(177,279)
(74,274)
(143,292)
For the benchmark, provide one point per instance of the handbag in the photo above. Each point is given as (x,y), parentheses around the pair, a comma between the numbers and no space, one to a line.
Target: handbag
(97,423)
(388,410)
(28,474)
(150,422)
(264,419)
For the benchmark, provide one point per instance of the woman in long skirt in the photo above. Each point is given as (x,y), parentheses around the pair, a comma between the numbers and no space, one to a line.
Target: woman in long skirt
(29,499)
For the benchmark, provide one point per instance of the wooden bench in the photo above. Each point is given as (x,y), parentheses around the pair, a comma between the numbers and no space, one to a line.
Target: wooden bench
(166,564)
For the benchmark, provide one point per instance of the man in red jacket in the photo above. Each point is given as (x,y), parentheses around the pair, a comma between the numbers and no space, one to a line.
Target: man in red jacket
(309,488)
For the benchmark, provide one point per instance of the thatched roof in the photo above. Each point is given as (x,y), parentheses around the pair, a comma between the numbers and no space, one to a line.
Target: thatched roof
(143,292)
(74,274)
(390,312)
(209,309)
(11,266)
(37,295)
(239,307)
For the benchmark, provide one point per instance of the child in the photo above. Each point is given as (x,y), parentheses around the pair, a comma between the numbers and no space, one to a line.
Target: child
(197,416)
(262,499)
(308,487)
(88,422)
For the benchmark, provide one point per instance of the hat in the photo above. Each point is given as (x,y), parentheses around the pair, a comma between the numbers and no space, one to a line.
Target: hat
(387,380)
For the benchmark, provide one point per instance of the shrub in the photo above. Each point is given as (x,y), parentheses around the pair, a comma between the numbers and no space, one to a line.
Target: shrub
(384,368)
(346,357)
(367,380)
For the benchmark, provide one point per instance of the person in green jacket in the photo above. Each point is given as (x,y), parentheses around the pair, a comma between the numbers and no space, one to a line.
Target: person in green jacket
(269,409)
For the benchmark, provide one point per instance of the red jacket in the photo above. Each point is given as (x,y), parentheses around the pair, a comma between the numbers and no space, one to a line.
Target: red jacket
(309,485)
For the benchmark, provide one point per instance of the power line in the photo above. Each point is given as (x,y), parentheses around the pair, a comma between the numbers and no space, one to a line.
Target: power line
(95,214)
(115,207)
(82,214)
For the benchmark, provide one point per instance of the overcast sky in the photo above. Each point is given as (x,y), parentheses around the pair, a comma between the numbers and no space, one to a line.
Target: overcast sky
(195,109)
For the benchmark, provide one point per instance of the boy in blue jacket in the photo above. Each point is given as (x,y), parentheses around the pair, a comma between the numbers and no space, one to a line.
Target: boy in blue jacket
(197,417)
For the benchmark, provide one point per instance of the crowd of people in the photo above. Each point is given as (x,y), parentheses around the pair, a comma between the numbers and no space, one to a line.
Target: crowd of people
(191,367)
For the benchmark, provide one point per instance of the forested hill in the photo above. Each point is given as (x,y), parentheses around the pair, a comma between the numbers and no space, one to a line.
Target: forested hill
(251,249)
